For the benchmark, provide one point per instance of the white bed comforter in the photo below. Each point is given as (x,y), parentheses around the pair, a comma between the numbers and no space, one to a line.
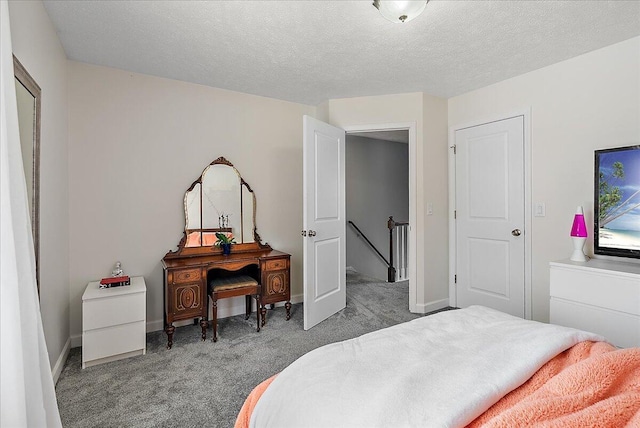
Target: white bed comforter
(443,370)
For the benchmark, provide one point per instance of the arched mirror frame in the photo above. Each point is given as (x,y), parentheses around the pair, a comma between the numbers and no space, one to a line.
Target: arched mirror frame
(184,250)
(24,78)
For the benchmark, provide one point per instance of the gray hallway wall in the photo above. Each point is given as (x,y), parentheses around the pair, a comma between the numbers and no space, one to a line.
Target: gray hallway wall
(377,185)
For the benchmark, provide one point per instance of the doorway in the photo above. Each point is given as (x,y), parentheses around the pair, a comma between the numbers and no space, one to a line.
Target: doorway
(377,188)
(393,131)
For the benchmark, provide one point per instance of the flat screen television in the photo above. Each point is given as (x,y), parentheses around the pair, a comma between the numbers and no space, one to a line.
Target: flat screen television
(617,202)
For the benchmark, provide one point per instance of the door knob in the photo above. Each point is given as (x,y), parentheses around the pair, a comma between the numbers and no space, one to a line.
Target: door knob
(312,233)
(304,233)
(516,232)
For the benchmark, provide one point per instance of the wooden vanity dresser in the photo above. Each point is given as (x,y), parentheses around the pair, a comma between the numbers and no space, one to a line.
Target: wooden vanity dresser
(221,193)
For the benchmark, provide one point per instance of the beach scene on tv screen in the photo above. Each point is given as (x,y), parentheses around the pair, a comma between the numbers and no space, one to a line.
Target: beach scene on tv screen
(619,204)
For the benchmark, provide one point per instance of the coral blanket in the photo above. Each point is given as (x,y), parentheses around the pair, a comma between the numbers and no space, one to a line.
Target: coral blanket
(592,384)
(247,408)
(589,385)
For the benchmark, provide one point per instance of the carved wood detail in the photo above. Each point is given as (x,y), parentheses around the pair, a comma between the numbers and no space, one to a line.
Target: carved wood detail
(187,297)
(276,283)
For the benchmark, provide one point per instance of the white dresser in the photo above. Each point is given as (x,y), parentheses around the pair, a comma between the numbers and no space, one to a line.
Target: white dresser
(113,322)
(600,296)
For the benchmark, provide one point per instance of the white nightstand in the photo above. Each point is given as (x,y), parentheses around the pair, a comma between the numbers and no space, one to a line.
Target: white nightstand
(600,296)
(113,322)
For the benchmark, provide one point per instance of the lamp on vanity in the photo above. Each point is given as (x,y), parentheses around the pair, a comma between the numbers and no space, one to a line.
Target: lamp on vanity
(400,11)
(579,236)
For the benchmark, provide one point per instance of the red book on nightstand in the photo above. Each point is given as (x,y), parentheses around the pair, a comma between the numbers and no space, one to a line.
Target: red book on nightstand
(115,281)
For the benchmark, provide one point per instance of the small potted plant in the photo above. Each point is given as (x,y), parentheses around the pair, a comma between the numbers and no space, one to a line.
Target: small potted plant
(225,239)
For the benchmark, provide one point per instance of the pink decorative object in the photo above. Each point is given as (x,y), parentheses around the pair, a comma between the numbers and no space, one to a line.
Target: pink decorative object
(579,228)
(579,236)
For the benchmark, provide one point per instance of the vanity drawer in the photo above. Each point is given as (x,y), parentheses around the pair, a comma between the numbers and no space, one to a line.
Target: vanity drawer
(276,284)
(278,264)
(186,275)
(186,301)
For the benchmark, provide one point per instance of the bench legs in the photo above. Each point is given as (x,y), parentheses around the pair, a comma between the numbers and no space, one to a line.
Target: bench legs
(257,296)
(214,321)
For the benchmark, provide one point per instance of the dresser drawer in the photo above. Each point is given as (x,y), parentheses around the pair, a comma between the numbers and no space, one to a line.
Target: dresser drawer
(186,275)
(602,296)
(619,328)
(278,264)
(600,288)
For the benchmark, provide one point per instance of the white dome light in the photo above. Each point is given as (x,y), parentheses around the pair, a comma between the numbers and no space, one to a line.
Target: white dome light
(400,11)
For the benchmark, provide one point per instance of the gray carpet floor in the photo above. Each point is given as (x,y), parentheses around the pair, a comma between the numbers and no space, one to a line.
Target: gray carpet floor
(203,384)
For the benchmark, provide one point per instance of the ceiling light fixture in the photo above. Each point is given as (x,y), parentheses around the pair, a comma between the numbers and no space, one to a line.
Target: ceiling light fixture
(400,11)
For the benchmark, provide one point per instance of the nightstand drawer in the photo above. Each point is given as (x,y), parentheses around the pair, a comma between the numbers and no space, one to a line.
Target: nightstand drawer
(113,310)
(111,341)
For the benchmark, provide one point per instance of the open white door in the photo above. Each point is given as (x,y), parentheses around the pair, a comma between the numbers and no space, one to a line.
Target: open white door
(324,223)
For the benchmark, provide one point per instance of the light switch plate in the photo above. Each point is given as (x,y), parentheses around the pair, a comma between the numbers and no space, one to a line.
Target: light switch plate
(540,210)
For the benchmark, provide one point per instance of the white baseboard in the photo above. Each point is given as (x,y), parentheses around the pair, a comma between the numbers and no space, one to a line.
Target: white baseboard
(423,308)
(76,341)
(62,358)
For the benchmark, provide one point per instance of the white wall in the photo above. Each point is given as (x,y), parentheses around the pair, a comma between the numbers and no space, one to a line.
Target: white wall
(579,105)
(137,142)
(36,45)
(377,186)
(429,114)
(436,195)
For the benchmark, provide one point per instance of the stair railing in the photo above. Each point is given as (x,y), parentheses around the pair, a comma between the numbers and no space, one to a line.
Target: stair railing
(400,246)
(389,266)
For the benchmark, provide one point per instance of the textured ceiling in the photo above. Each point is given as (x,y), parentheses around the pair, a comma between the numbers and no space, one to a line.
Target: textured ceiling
(311,51)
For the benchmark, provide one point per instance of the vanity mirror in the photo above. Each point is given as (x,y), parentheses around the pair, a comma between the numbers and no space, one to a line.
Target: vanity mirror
(219,201)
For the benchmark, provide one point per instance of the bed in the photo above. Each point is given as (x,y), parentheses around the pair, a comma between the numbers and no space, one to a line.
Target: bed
(469,367)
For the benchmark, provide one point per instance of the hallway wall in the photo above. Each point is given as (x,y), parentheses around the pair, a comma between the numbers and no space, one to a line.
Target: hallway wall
(377,185)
